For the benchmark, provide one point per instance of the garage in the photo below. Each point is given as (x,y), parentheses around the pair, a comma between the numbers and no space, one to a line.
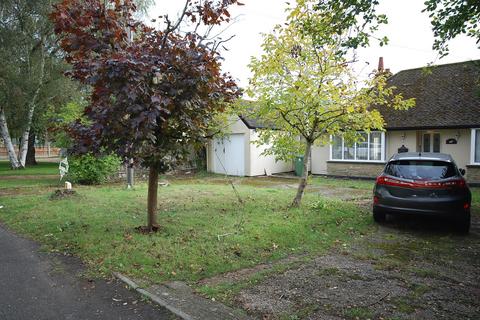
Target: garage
(229,155)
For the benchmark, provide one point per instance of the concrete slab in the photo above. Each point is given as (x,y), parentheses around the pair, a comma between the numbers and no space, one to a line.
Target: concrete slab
(180,299)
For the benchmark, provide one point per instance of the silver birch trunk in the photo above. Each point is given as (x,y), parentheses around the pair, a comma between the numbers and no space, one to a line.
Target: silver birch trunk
(22,152)
(8,141)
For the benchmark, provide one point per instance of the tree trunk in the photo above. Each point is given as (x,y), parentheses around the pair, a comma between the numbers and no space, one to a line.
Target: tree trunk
(22,152)
(303,180)
(8,141)
(130,174)
(152,199)
(31,161)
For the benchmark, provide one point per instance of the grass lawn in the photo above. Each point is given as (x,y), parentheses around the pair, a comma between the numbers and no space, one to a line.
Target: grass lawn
(344,183)
(44,174)
(43,168)
(205,231)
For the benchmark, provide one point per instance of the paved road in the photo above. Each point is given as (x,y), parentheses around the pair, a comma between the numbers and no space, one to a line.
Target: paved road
(37,285)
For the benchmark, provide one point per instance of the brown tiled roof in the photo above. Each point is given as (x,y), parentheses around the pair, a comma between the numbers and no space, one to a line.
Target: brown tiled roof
(254,123)
(250,120)
(447,96)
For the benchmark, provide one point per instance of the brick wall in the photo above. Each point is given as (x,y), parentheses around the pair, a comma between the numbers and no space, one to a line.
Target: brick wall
(354,169)
(473,174)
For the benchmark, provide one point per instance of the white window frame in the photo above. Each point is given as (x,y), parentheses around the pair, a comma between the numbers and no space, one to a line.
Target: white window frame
(383,147)
(472,146)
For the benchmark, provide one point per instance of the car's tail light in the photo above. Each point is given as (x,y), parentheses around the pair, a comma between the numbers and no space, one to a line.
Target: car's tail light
(387,181)
(466,206)
(457,183)
(375,199)
(451,184)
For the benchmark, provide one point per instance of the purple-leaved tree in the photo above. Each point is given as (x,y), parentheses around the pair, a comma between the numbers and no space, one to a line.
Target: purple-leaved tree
(153,94)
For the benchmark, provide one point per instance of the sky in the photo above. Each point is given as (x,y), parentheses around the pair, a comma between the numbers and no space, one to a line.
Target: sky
(408,30)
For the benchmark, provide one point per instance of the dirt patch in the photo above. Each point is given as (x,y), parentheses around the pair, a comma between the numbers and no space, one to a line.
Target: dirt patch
(245,274)
(347,194)
(62,194)
(262,181)
(411,268)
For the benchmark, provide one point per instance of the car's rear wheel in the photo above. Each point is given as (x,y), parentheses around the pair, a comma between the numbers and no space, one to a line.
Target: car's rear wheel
(463,223)
(379,216)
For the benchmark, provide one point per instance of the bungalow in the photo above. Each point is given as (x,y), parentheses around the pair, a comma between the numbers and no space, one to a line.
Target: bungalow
(446,119)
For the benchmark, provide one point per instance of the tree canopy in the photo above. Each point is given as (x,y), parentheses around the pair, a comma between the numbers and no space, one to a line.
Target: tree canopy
(31,75)
(450,18)
(153,93)
(308,91)
(359,20)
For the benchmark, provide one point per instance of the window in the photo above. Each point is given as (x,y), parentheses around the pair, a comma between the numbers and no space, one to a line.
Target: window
(421,169)
(475,147)
(431,142)
(376,146)
(370,148)
(362,147)
(336,148)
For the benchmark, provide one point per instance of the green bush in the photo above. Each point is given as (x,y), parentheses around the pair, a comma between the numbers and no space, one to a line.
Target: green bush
(88,169)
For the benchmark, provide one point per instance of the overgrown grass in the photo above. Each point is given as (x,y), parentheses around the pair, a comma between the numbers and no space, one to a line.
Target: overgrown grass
(205,231)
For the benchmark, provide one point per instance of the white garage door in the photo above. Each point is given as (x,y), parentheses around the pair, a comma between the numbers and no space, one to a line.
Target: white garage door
(230,155)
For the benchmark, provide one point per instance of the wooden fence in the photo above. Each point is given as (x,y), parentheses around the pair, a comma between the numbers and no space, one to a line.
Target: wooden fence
(40,152)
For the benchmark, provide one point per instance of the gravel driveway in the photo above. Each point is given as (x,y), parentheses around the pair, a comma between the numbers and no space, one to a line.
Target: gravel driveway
(410,268)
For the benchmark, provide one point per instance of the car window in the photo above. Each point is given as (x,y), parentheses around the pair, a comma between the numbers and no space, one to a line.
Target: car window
(421,169)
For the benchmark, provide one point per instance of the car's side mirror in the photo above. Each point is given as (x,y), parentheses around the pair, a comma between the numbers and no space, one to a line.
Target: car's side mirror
(462,171)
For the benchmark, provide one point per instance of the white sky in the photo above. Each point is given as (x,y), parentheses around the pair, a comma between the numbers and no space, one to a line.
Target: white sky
(408,29)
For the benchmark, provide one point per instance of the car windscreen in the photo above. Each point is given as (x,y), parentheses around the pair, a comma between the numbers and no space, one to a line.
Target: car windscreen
(421,169)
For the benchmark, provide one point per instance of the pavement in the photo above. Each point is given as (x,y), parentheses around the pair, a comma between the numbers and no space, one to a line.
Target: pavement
(38,285)
(181,300)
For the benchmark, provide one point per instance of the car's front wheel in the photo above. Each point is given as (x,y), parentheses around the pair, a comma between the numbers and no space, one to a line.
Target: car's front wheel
(379,216)
(463,223)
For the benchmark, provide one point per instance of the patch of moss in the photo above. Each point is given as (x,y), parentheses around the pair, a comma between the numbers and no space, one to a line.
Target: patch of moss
(425,273)
(358,313)
(329,272)
(418,289)
(302,312)
(404,304)
(355,276)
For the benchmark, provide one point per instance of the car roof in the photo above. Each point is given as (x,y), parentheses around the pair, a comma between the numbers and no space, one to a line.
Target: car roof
(422,156)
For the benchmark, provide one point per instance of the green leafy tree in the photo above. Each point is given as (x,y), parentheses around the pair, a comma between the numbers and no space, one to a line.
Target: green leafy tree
(24,40)
(32,82)
(359,21)
(350,24)
(308,92)
(450,18)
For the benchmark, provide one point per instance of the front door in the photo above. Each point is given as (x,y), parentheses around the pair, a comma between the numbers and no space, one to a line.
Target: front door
(430,142)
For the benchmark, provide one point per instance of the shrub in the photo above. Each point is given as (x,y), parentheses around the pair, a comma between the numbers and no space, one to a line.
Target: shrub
(88,169)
